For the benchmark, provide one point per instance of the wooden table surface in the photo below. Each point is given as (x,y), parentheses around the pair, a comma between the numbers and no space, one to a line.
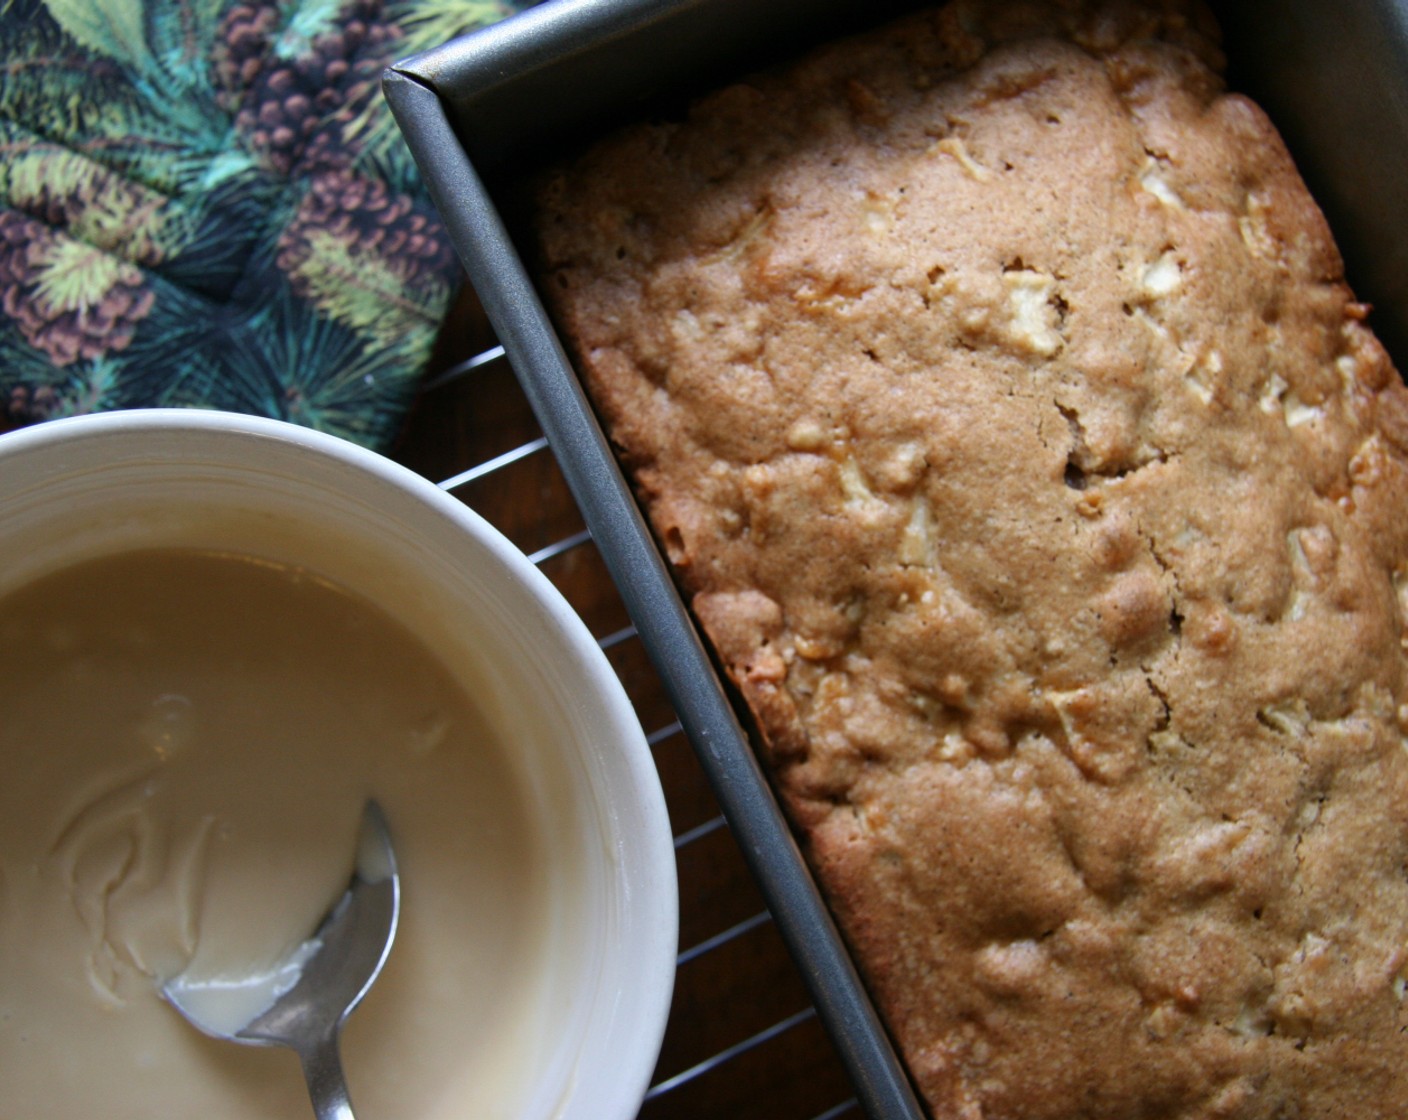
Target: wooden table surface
(743,1042)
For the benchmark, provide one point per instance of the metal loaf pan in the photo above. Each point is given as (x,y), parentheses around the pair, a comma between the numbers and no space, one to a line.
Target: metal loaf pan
(483,111)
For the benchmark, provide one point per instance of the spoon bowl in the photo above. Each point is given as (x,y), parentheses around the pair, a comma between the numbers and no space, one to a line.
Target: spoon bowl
(303,1003)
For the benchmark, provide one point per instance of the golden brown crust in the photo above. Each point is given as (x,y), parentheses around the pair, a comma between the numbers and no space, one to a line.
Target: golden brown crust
(994,388)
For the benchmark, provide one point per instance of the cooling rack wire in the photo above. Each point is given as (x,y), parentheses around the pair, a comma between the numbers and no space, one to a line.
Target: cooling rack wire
(743,1041)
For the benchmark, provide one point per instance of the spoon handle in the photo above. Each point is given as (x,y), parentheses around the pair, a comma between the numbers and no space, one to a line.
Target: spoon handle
(322,1069)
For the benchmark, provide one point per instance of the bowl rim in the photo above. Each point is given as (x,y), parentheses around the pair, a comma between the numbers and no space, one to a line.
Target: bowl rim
(631,990)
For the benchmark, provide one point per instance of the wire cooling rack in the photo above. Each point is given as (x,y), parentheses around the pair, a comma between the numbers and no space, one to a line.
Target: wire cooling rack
(743,1041)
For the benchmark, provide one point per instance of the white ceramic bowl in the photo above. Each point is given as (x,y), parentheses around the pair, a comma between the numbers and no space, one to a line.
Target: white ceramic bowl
(80,488)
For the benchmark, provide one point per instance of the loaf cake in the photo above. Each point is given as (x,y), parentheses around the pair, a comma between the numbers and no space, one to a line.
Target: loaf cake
(993,386)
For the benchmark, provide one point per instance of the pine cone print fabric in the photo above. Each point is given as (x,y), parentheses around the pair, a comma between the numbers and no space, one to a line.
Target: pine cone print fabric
(207,203)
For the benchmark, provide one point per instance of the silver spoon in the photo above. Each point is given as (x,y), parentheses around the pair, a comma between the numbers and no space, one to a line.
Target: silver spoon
(303,1003)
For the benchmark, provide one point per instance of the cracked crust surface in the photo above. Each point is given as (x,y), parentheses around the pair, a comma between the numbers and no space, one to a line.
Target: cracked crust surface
(992,384)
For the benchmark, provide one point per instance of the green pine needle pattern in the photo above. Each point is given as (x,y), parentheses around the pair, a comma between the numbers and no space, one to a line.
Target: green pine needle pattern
(156,242)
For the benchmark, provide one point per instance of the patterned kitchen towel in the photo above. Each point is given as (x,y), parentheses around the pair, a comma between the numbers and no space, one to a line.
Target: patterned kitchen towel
(207,203)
